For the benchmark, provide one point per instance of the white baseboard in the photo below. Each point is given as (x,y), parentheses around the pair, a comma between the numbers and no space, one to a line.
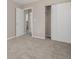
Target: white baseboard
(65,40)
(38,37)
(15,36)
(11,37)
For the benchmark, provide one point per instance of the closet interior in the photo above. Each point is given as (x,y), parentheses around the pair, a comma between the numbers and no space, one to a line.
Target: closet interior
(48,22)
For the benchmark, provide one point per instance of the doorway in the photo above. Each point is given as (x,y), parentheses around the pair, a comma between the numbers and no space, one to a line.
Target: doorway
(28,22)
(48,22)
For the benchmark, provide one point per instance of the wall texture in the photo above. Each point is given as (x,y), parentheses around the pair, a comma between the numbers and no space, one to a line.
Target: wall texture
(11,23)
(39,22)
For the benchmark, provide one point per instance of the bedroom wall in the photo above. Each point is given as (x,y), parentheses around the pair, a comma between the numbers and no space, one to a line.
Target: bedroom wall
(39,22)
(39,15)
(11,18)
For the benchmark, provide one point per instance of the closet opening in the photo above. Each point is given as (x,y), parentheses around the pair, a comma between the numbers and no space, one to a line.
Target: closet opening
(28,22)
(48,22)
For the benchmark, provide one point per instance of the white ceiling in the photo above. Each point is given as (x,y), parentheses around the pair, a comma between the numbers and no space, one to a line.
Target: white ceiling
(25,1)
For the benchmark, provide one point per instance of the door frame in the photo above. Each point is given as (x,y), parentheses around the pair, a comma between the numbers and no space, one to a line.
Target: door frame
(32,19)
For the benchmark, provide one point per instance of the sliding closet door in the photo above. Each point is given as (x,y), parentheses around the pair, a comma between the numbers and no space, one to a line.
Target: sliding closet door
(19,22)
(61,22)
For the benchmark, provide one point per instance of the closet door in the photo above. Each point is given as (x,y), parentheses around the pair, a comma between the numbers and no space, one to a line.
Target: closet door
(61,22)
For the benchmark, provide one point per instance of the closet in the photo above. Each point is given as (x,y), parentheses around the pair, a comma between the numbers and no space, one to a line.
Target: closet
(61,22)
(58,22)
(48,22)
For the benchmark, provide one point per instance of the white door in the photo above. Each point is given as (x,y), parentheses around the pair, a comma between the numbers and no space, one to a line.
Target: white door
(61,22)
(19,22)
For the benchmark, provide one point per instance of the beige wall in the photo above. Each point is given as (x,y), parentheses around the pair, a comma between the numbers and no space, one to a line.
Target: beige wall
(39,15)
(39,22)
(11,18)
